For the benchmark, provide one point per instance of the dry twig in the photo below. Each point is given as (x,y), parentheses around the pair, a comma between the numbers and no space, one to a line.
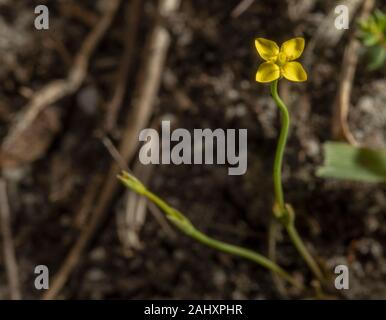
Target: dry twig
(241,8)
(133,16)
(88,200)
(58,89)
(8,246)
(340,126)
(130,224)
(327,35)
(131,220)
(75,10)
(148,86)
(274,228)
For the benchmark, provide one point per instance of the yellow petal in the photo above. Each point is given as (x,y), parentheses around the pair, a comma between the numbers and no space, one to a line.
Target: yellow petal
(293,48)
(267,49)
(267,72)
(294,71)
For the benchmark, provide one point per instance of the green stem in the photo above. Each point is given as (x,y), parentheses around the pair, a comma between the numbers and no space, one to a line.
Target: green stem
(288,222)
(192,232)
(244,253)
(299,245)
(277,166)
(185,226)
(272,234)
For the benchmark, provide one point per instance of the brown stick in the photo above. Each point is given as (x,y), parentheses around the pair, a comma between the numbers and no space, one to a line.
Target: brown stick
(58,89)
(8,246)
(241,8)
(133,17)
(143,173)
(327,35)
(87,203)
(157,46)
(340,126)
(274,227)
(75,10)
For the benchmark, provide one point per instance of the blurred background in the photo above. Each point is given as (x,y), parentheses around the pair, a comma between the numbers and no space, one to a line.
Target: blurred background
(74,97)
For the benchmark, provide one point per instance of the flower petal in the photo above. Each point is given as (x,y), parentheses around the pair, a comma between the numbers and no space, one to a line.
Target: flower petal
(293,48)
(267,72)
(294,71)
(267,49)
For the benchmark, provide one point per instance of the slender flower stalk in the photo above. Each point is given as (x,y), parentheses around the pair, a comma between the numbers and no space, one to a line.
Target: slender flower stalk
(277,168)
(186,227)
(279,63)
(299,245)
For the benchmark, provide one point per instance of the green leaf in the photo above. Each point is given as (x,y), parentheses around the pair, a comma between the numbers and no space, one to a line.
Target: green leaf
(370,40)
(344,161)
(377,57)
(379,16)
(175,216)
(132,182)
(373,29)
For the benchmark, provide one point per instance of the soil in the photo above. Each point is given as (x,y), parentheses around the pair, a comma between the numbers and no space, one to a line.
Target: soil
(208,82)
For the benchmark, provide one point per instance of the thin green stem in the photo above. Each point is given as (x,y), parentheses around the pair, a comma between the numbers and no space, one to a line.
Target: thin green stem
(185,226)
(288,222)
(192,232)
(244,253)
(277,166)
(299,245)
(272,234)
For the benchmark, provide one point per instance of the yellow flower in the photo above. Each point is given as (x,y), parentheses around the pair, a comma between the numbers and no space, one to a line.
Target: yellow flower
(279,62)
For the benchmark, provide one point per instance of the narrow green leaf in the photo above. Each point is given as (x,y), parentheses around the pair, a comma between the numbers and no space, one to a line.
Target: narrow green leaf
(344,161)
(377,57)
(370,40)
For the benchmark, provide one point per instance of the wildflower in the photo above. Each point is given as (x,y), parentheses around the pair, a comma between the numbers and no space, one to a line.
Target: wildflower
(279,61)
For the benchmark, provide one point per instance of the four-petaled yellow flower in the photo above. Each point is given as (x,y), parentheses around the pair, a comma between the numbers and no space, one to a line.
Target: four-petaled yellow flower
(279,62)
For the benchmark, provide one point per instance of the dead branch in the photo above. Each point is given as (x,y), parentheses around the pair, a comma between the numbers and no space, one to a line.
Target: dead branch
(241,8)
(327,35)
(57,89)
(75,10)
(340,126)
(148,86)
(273,231)
(8,245)
(131,220)
(87,203)
(118,158)
(298,9)
(129,225)
(133,15)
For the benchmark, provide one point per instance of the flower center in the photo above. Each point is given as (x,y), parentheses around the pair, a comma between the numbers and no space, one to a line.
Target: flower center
(281,59)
